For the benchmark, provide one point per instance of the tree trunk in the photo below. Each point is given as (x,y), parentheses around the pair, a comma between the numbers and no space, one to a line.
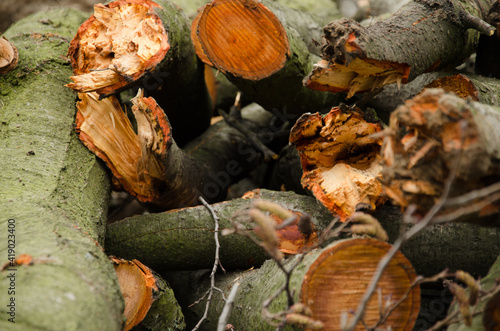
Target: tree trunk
(329,281)
(53,192)
(265,49)
(188,234)
(422,36)
(427,141)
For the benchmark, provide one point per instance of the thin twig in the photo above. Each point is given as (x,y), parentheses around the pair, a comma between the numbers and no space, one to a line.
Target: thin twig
(226,312)
(216,264)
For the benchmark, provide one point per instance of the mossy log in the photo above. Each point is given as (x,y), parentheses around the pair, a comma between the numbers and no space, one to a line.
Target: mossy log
(422,36)
(329,281)
(265,49)
(183,239)
(430,135)
(53,192)
(143,43)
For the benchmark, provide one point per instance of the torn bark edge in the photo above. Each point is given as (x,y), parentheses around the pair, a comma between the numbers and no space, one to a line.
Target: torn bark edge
(340,159)
(9,56)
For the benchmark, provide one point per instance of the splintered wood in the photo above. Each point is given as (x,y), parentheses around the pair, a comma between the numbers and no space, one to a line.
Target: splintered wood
(134,158)
(432,134)
(340,159)
(117,45)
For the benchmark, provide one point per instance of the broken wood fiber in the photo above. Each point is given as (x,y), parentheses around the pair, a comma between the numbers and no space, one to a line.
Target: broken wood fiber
(128,43)
(430,135)
(264,49)
(53,189)
(329,281)
(183,239)
(151,166)
(422,36)
(340,161)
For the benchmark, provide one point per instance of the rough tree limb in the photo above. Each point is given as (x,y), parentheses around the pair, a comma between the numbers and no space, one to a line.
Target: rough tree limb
(152,167)
(54,189)
(183,239)
(422,36)
(430,134)
(265,50)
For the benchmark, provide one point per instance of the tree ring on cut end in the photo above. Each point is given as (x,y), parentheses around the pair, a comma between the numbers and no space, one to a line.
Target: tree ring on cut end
(243,38)
(338,278)
(117,45)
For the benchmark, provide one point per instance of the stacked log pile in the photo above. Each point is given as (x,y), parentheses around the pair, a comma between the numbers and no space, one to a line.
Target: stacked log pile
(391,146)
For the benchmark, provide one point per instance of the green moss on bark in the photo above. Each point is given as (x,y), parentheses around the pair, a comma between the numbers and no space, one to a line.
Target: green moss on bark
(54,189)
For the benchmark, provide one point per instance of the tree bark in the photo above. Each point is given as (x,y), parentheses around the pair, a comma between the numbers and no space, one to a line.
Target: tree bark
(422,36)
(271,49)
(52,190)
(456,246)
(188,234)
(130,42)
(428,141)
(330,281)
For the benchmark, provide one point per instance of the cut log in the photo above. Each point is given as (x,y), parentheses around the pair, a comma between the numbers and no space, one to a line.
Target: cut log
(150,303)
(265,50)
(329,281)
(429,135)
(422,36)
(53,192)
(151,166)
(188,234)
(8,56)
(340,160)
(127,42)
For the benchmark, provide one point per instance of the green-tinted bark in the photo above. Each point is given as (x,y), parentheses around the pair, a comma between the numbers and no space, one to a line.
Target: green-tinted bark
(184,239)
(54,189)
